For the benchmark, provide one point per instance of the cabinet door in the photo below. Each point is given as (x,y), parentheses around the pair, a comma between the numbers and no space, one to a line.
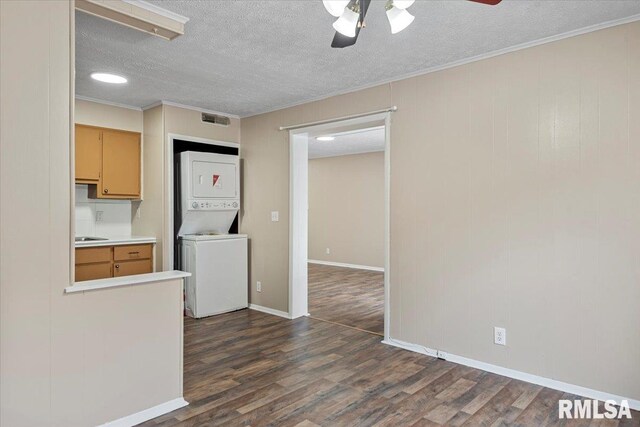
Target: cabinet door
(129,268)
(88,142)
(120,165)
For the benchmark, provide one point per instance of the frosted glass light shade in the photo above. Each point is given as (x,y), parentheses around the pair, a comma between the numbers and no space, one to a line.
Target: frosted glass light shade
(399,19)
(347,23)
(403,4)
(335,7)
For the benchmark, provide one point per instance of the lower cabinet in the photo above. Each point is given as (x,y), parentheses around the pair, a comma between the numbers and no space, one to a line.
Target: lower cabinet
(128,268)
(99,270)
(113,261)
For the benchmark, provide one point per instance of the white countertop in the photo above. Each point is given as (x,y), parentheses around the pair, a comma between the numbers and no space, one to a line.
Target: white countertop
(117,282)
(115,241)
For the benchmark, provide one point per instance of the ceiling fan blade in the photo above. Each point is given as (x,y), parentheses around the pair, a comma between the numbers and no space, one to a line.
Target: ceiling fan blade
(340,40)
(489,2)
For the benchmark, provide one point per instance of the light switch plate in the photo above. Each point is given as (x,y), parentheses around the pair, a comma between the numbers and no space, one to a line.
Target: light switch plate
(99,216)
(275,216)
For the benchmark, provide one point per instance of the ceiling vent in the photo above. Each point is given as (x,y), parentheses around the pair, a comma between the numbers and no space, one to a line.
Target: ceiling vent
(216,119)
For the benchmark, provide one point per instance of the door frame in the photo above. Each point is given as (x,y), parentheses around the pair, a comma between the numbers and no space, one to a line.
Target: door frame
(299,208)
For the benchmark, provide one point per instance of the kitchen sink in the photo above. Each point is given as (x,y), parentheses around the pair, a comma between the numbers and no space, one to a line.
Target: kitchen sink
(89,239)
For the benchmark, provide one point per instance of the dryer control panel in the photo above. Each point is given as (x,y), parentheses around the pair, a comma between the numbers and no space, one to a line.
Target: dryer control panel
(208,205)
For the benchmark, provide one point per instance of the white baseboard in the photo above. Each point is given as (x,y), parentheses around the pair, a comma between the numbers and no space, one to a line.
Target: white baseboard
(411,347)
(342,264)
(147,414)
(518,375)
(269,311)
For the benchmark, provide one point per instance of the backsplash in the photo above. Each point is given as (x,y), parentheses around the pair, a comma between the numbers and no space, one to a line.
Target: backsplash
(101,218)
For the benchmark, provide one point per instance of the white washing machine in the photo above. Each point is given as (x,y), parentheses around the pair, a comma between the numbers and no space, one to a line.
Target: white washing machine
(219,281)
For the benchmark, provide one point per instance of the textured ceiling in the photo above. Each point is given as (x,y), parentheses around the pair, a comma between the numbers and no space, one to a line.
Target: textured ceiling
(353,142)
(247,57)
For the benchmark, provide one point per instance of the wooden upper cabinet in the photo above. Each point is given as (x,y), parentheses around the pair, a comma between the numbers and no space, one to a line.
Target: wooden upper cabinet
(120,165)
(88,154)
(110,159)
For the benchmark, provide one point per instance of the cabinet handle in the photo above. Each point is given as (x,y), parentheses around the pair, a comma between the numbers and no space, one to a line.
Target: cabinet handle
(117,266)
(105,191)
(134,253)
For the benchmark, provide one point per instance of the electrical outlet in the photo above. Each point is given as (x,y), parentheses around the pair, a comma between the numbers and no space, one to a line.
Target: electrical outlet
(328,251)
(500,336)
(275,216)
(99,216)
(441,355)
(259,286)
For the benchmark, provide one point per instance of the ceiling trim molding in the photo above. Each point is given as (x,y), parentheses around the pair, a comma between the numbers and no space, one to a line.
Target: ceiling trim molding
(111,104)
(189,107)
(545,40)
(158,10)
(136,14)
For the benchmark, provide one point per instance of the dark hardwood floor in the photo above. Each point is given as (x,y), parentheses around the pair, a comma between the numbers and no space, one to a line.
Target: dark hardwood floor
(249,368)
(347,296)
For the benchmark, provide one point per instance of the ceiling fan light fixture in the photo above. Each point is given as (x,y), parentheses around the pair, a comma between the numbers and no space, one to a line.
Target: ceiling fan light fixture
(403,4)
(399,19)
(347,23)
(335,7)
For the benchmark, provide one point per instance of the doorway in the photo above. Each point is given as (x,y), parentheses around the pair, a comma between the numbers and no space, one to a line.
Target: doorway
(345,286)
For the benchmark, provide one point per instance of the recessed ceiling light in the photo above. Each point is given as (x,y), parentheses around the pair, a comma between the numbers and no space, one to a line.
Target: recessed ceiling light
(108,78)
(325,138)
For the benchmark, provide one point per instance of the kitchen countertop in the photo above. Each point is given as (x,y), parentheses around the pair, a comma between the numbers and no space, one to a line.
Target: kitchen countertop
(116,241)
(115,282)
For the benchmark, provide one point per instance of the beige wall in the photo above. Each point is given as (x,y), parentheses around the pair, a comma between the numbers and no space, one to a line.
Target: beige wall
(65,359)
(346,209)
(108,116)
(149,220)
(514,203)
(159,122)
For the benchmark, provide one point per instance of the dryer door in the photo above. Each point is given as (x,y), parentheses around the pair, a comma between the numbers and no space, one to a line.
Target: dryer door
(214,180)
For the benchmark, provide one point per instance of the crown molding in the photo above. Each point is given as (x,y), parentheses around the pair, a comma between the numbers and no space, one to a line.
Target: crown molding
(545,40)
(109,103)
(189,107)
(136,14)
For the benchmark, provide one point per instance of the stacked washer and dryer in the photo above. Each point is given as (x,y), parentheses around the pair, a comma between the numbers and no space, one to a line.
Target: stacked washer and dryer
(217,260)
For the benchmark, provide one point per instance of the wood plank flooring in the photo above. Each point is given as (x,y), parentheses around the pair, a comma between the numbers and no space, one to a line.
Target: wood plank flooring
(250,368)
(347,296)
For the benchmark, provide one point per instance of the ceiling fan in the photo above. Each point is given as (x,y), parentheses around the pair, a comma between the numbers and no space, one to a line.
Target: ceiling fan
(351,13)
